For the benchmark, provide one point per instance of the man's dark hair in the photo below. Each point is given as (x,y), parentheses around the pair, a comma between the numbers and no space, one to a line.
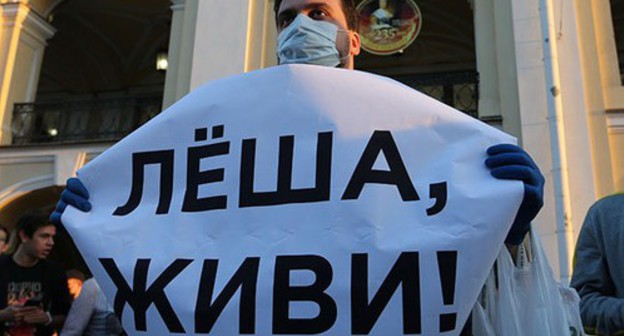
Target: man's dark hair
(75,274)
(348,7)
(31,222)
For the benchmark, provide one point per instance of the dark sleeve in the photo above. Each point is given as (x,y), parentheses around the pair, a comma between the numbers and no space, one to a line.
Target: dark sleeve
(59,293)
(601,310)
(3,287)
(4,265)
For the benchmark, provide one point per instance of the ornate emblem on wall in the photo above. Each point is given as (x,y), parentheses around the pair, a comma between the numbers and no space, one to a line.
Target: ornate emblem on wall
(388,26)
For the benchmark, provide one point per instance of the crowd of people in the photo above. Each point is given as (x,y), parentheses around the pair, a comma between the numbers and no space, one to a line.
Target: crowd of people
(35,296)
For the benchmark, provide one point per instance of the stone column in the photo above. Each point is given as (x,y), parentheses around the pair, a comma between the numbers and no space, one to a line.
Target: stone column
(496,63)
(608,57)
(23,35)
(487,65)
(615,121)
(231,37)
(180,48)
(211,39)
(583,85)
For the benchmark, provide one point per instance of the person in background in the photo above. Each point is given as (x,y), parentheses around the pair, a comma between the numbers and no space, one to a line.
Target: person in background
(34,298)
(4,239)
(91,314)
(598,273)
(75,279)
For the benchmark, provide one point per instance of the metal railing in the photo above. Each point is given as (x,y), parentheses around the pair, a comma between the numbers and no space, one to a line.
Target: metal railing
(112,119)
(457,89)
(81,121)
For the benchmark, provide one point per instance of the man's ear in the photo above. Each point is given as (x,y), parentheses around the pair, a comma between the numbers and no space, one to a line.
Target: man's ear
(355,44)
(23,237)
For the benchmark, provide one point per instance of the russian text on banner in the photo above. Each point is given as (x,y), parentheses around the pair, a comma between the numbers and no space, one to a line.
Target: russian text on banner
(297,200)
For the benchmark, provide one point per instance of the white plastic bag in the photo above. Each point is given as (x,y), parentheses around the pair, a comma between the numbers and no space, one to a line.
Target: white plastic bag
(571,301)
(481,319)
(526,300)
(481,325)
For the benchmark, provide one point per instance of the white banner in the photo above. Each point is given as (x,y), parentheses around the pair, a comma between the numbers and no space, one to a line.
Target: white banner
(297,200)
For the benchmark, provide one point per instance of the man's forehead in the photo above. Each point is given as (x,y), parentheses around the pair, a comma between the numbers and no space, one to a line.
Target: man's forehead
(303,4)
(48,229)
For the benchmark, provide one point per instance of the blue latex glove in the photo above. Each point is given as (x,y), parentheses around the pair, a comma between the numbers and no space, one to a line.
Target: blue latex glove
(510,162)
(76,195)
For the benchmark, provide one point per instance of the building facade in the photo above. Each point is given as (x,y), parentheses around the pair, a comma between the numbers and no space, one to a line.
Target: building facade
(76,76)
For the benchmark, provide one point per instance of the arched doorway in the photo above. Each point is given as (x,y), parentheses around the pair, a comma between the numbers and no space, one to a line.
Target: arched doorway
(98,79)
(64,252)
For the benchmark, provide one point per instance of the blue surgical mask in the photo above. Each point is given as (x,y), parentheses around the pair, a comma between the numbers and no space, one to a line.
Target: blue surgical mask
(307,41)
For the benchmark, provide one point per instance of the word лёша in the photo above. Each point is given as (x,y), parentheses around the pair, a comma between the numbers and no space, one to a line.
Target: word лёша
(381,142)
(405,273)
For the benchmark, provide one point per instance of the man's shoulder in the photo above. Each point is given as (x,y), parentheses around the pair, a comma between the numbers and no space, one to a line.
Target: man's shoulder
(617,197)
(610,203)
(606,216)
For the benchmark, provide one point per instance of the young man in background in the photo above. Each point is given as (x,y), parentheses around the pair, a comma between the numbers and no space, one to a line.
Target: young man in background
(34,298)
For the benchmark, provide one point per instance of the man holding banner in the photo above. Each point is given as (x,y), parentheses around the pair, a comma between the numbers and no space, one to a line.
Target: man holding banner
(325,33)
(319,32)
